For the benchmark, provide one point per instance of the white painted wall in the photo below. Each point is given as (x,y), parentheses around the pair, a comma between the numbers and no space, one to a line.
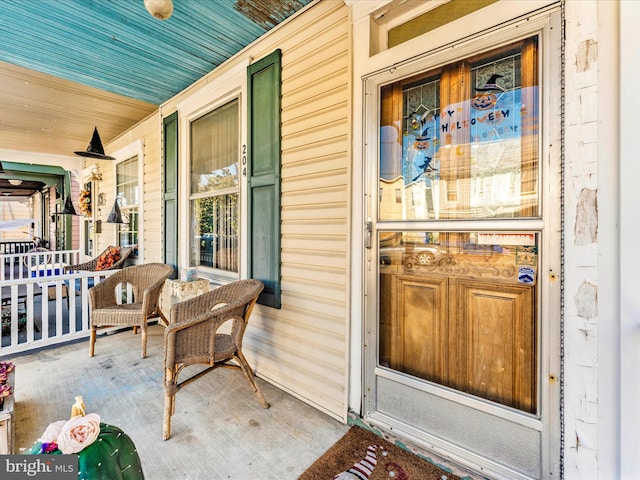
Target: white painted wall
(581,253)
(598,428)
(629,300)
(602,306)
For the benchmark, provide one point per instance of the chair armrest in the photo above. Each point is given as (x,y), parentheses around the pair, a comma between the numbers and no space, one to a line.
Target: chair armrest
(103,294)
(92,265)
(200,329)
(151,296)
(88,266)
(180,321)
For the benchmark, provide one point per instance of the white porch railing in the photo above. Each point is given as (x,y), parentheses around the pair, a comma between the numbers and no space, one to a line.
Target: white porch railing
(42,305)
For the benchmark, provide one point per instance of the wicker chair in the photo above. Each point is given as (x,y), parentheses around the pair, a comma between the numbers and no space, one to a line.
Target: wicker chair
(92,265)
(192,338)
(146,281)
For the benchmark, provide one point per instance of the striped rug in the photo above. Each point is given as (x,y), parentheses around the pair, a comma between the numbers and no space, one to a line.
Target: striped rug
(362,455)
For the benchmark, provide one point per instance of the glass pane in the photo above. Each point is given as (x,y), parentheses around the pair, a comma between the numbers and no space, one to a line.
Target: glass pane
(459,309)
(215,232)
(214,150)
(447,153)
(127,197)
(128,232)
(127,178)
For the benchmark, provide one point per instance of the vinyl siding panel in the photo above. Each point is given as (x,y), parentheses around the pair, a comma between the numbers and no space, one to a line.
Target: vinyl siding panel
(303,213)
(151,236)
(302,347)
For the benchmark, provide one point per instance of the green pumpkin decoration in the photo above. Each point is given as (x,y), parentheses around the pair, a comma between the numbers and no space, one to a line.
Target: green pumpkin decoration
(97,461)
(112,456)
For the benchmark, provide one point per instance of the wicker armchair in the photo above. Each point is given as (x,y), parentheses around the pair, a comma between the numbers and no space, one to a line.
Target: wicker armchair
(192,338)
(146,281)
(92,265)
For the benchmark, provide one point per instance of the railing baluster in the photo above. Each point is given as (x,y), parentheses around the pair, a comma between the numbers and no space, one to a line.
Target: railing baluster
(30,317)
(14,315)
(24,290)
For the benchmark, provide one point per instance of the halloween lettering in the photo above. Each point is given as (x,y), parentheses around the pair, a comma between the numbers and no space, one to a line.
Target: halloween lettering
(489,118)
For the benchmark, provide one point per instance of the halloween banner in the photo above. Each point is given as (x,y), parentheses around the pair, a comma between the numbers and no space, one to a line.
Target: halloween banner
(489,118)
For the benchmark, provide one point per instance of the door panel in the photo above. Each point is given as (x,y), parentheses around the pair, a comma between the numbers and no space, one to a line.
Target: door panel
(412,316)
(421,334)
(404,408)
(498,325)
(447,321)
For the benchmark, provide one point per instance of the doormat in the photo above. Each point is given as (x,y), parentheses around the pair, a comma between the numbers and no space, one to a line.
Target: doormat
(362,455)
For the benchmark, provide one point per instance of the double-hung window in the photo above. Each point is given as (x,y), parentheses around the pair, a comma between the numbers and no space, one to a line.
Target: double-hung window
(231,132)
(214,184)
(128,198)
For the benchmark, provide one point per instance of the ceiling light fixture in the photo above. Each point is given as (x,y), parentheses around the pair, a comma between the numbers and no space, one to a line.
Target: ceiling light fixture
(160,9)
(15,182)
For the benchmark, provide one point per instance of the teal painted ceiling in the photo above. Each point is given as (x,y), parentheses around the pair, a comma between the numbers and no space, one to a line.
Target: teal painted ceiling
(117,46)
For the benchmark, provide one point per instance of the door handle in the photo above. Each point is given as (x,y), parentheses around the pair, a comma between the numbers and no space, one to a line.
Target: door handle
(367,236)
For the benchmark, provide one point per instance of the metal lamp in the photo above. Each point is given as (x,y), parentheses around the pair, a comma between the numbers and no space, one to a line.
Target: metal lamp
(115,216)
(68,208)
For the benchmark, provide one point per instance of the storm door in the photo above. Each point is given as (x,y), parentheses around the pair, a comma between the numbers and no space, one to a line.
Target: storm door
(456,236)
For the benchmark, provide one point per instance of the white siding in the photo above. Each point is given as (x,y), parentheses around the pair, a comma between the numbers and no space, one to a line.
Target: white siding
(147,132)
(302,346)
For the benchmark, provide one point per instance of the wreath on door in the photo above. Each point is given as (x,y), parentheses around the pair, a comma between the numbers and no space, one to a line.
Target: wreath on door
(85,202)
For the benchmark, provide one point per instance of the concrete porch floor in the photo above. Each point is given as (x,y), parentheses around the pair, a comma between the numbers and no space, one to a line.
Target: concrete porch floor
(219,430)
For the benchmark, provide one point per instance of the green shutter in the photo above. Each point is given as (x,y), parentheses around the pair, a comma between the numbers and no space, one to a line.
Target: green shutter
(263,155)
(170,195)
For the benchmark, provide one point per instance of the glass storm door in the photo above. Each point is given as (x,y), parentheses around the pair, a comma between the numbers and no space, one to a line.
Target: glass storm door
(456,237)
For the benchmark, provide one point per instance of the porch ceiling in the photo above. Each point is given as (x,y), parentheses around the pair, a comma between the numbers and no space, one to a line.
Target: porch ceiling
(67,66)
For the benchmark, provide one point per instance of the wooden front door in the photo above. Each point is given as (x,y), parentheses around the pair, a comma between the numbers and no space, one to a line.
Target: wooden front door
(464,330)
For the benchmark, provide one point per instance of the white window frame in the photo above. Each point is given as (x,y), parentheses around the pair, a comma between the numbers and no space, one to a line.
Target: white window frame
(135,149)
(219,91)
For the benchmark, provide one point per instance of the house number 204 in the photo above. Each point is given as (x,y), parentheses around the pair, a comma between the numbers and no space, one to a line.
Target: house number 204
(244,160)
